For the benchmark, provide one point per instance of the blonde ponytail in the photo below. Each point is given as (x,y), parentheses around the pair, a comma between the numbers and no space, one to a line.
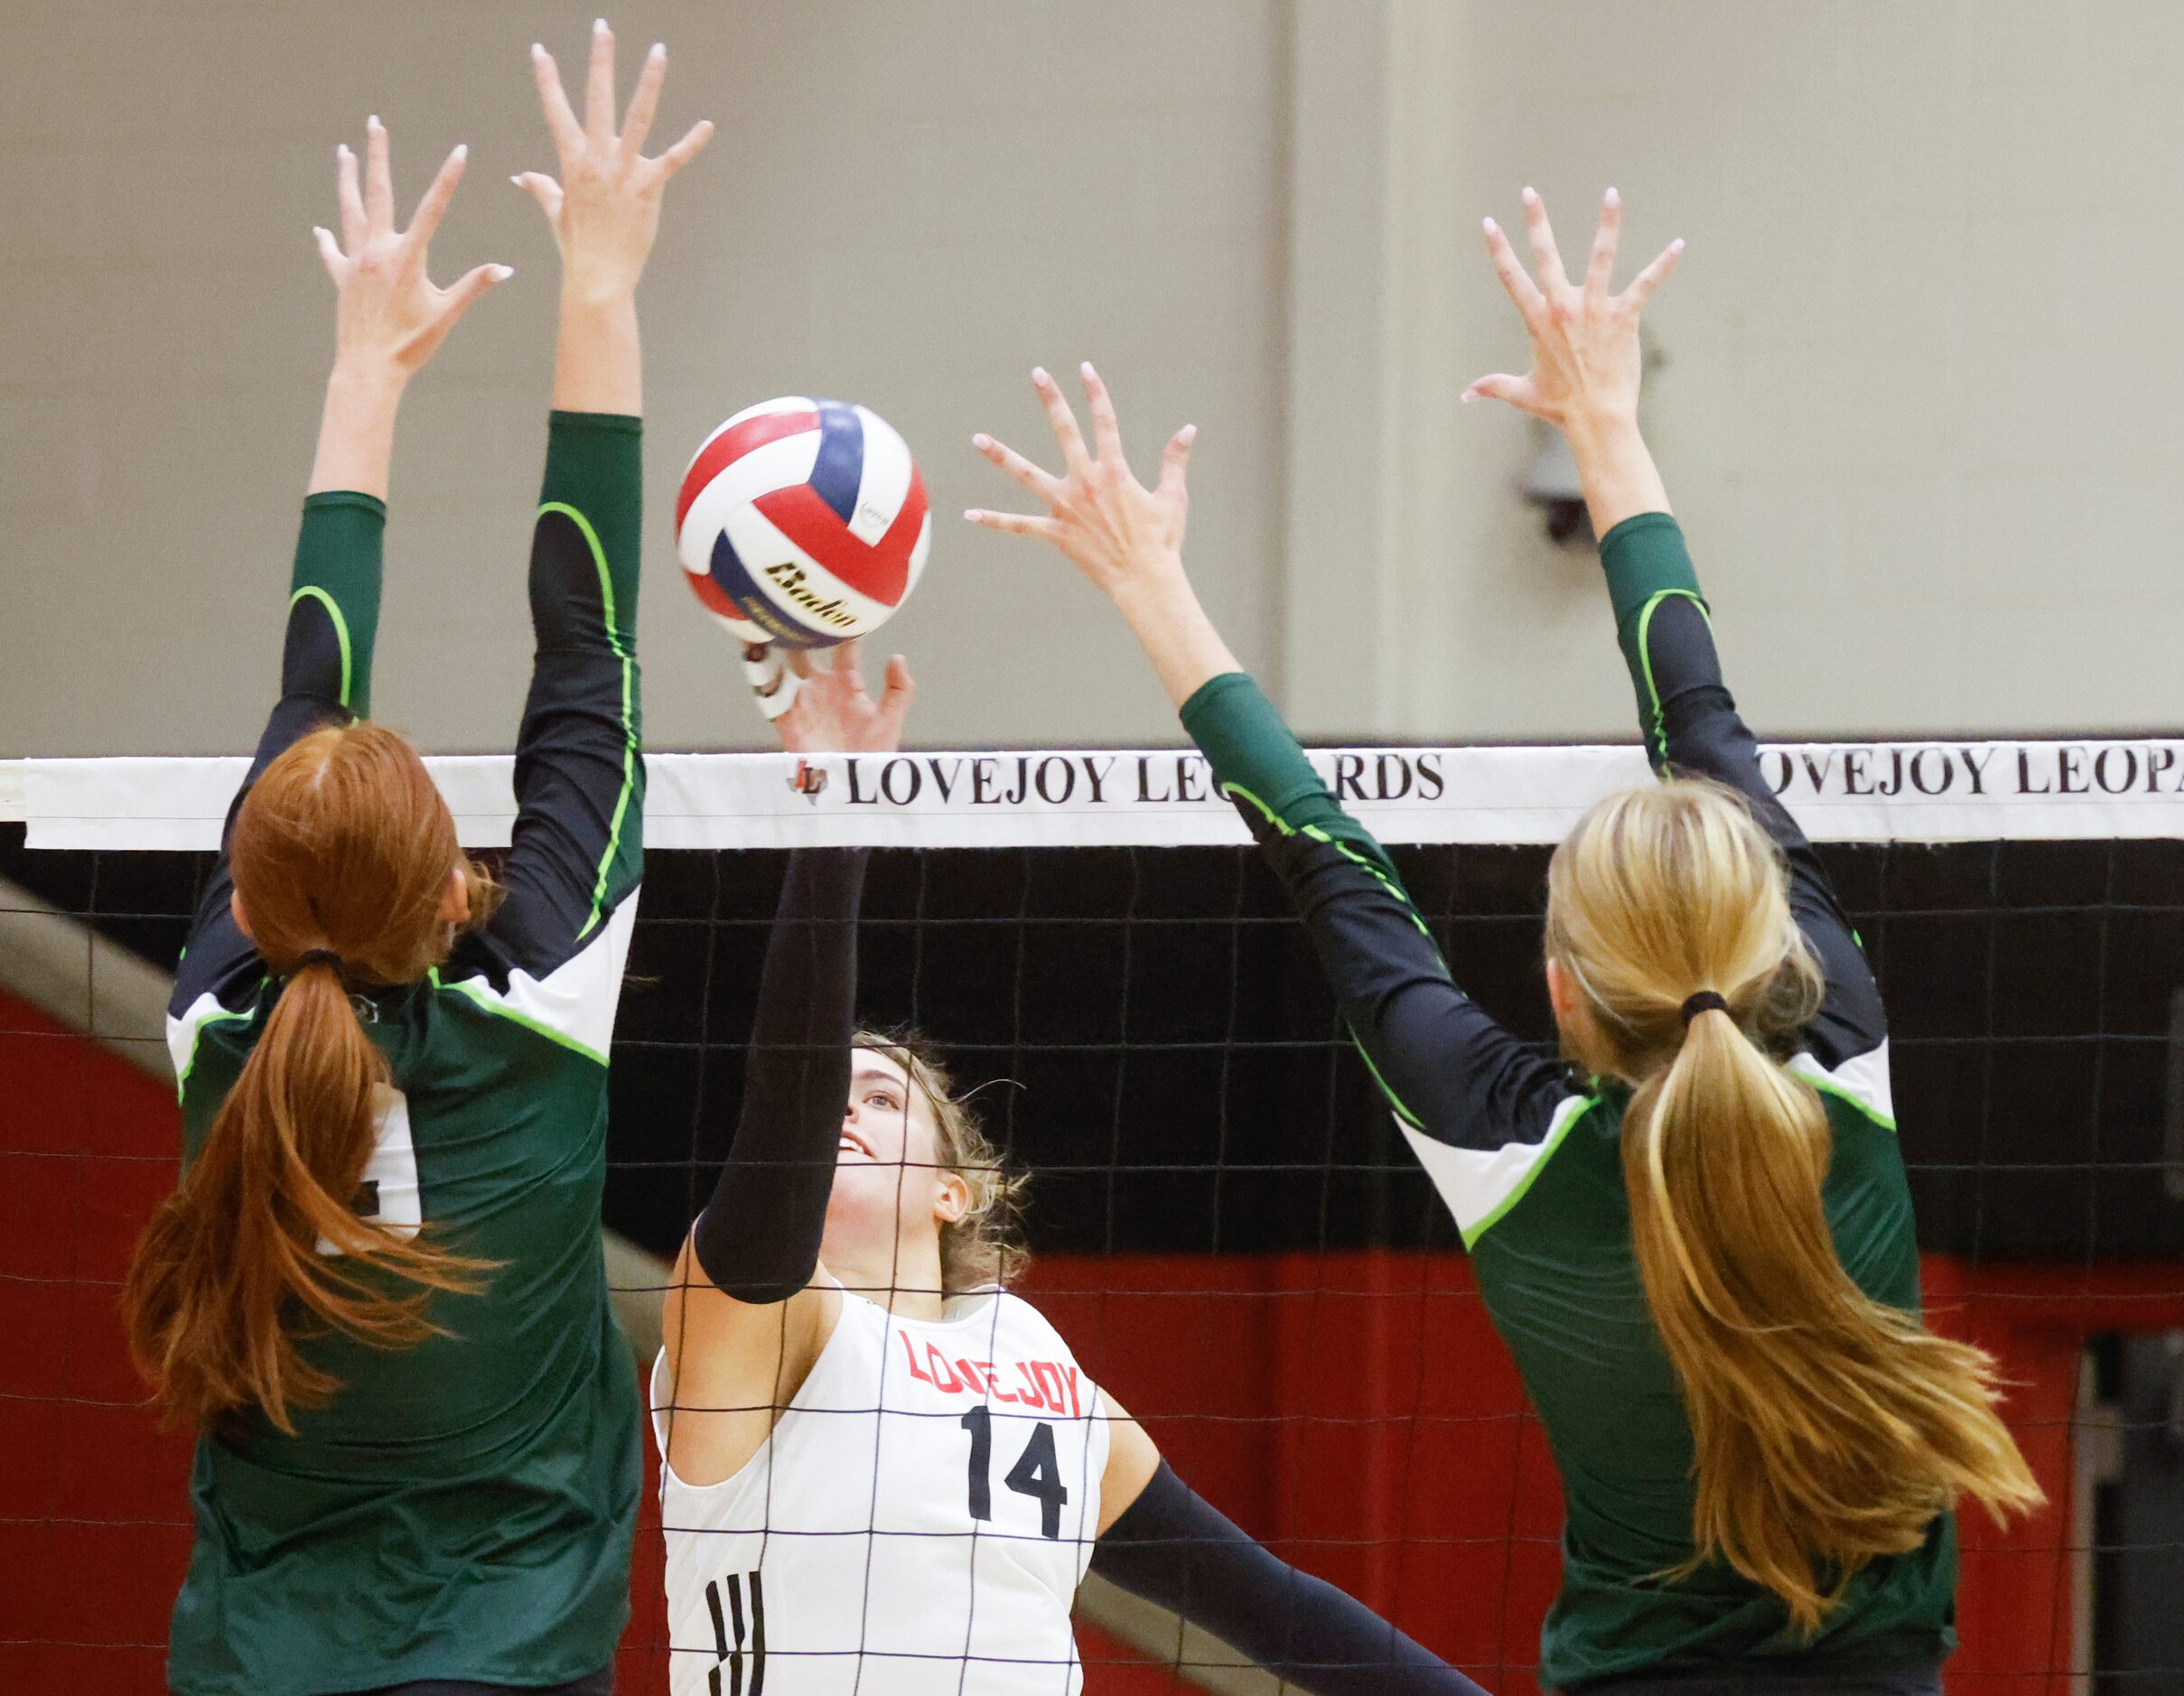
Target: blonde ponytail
(1829,1428)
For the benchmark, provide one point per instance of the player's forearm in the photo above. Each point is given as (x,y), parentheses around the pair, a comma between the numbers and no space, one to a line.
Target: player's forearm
(1165,613)
(757,1240)
(598,365)
(1615,468)
(334,600)
(356,430)
(1173,1548)
(1660,625)
(594,474)
(1256,758)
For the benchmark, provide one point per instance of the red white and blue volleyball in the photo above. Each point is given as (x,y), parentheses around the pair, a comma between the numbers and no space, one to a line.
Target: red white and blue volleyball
(803,522)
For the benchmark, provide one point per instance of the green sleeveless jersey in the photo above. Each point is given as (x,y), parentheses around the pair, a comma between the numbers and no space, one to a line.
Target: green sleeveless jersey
(462,1509)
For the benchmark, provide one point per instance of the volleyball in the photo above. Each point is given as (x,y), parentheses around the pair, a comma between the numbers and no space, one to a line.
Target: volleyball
(803,522)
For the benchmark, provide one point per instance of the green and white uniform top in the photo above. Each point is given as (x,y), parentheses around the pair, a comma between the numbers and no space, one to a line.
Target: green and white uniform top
(463,1509)
(1528,1159)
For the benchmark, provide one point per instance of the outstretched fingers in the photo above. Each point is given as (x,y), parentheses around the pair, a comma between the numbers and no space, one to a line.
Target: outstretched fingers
(330,253)
(1062,420)
(1106,428)
(543,188)
(1014,524)
(433,208)
(896,693)
(1523,293)
(1600,271)
(554,101)
(644,104)
(1546,258)
(1175,460)
(1520,392)
(599,87)
(354,226)
(378,177)
(684,151)
(1646,282)
(1039,484)
(468,288)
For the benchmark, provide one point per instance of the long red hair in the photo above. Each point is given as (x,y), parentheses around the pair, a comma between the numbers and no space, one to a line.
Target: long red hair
(342,847)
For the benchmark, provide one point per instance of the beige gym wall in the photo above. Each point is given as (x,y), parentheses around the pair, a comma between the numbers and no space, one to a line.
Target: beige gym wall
(1916,410)
(908,204)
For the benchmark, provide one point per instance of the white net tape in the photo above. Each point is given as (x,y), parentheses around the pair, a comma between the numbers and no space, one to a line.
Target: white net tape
(1931,791)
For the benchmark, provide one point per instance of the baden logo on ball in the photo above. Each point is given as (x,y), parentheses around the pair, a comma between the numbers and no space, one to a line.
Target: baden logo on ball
(803,522)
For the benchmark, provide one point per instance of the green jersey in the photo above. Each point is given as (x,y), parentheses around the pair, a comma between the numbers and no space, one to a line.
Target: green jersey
(1528,1159)
(462,1509)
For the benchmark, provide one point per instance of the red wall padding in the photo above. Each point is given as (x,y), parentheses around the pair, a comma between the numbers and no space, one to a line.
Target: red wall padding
(1353,1408)
(93,1509)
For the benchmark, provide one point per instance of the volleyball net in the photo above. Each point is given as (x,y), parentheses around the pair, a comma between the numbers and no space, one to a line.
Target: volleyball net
(1226,1224)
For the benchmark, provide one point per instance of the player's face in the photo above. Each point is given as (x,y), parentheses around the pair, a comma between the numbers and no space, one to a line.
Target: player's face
(889,1185)
(879,1125)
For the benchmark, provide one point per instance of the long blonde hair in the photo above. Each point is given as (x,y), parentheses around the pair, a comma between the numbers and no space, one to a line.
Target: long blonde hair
(1829,1428)
(985,1247)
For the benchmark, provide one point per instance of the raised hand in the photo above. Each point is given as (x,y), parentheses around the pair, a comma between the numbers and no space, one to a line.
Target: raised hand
(1109,525)
(388,316)
(604,207)
(1586,359)
(825,709)
(1125,539)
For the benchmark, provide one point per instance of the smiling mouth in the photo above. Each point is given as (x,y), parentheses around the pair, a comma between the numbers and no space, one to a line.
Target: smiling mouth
(851,1139)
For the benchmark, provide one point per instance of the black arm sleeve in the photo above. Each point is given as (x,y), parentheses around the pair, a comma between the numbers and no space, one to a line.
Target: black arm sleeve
(1479,1106)
(759,1239)
(1173,1548)
(577,848)
(1691,726)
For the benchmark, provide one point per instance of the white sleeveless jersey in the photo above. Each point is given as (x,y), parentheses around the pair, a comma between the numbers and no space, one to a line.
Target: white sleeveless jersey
(917,1524)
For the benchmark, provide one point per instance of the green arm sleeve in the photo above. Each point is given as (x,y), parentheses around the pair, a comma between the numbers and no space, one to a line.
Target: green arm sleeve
(1646,564)
(333,615)
(594,474)
(1259,765)
(334,600)
(1453,1074)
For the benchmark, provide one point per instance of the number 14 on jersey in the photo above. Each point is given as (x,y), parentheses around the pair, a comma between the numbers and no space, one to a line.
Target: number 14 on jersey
(1036,1474)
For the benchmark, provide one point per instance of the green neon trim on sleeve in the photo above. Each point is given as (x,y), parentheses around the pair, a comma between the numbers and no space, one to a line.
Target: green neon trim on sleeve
(1657,733)
(484,1000)
(1237,791)
(312,592)
(1386,882)
(599,559)
(1314,834)
(1573,1108)
(629,713)
(1394,1100)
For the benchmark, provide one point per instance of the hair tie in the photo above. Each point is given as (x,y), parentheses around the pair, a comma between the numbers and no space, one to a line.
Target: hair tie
(1705,1001)
(321,957)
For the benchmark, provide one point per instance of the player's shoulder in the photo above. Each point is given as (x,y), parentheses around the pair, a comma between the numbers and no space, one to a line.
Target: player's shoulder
(1031,1332)
(568,1003)
(1852,1080)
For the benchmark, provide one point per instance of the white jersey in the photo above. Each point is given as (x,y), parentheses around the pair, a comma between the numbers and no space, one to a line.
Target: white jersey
(917,1522)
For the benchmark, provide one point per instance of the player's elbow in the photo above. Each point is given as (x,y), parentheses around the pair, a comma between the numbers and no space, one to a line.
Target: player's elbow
(732,1266)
